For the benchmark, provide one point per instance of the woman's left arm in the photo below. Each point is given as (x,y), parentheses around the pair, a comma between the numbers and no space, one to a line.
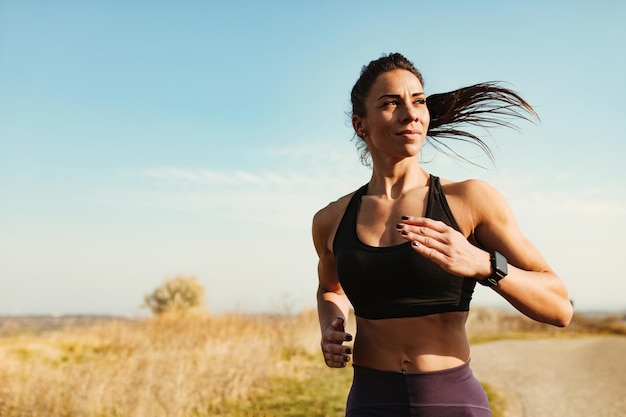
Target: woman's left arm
(531,286)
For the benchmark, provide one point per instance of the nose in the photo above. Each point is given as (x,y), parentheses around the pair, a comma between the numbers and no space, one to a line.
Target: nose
(410,113)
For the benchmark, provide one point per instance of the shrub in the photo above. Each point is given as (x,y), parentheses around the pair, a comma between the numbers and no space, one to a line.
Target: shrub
(177,294)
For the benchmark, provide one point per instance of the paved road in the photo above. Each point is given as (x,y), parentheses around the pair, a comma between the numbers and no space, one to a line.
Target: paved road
(583,377)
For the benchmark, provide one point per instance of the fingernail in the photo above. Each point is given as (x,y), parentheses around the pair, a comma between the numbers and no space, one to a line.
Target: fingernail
(349,351)
(404,232)
(405,217)
(414,243)
(346,359)
(348,337)
(399,226)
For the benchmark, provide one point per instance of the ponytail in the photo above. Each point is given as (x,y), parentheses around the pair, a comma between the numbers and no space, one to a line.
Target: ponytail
(485,105)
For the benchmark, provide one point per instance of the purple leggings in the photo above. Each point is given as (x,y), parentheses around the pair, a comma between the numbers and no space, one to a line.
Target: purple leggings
(451,392)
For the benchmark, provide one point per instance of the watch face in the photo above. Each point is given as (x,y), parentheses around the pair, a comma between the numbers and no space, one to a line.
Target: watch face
(499,270)
(500,264)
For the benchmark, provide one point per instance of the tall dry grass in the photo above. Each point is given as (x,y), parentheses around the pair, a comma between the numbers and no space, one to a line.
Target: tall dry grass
(189,365)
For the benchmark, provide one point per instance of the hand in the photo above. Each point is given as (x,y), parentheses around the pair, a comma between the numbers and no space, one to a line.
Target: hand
(445,246)
(335,354)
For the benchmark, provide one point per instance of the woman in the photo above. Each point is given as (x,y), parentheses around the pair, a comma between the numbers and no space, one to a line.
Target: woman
(407,249)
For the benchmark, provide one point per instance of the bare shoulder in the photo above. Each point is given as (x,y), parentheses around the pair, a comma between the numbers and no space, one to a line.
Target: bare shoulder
(469,188)
(326,221)
(332,211)
(474,202)
(493,224)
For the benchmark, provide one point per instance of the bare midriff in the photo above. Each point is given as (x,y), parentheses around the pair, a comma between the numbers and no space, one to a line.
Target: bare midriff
(412,344)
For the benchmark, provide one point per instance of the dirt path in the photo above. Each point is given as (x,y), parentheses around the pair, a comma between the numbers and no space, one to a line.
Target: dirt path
(583,377)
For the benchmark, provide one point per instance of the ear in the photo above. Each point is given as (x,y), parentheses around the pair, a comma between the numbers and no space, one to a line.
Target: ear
(358,124)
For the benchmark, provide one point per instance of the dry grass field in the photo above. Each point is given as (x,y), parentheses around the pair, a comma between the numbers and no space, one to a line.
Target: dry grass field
(197,364)
(185,365)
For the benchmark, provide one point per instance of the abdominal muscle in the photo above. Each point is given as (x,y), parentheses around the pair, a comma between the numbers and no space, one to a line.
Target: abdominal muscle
(412,344)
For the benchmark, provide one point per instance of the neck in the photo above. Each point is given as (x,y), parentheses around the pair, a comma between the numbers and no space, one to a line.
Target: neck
(393,179)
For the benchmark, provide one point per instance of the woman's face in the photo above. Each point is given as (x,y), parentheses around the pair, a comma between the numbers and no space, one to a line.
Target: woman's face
(397,118)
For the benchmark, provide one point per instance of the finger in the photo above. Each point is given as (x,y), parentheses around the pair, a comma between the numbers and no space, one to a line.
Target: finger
(336,337)
(336,333)
(338,324)
(336,350)
(336,364)
(436,225)
(427,240)
(336,360)
(426,235)
(427,251)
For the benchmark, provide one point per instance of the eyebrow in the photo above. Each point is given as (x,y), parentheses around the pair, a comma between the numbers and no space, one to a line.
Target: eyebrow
(420,93)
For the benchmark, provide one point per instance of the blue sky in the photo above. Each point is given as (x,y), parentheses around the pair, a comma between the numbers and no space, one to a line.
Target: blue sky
(144,140)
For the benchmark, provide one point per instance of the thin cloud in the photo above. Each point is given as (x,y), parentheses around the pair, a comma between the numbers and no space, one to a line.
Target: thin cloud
(180,176)
(250,178)
(201,176)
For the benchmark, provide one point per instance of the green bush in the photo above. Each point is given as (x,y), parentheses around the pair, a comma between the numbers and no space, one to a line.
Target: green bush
(177,294)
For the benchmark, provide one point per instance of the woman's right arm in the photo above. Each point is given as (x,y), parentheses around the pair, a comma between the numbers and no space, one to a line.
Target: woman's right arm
(332,302)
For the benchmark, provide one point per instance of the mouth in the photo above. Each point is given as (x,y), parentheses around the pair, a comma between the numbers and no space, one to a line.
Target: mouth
(409,133)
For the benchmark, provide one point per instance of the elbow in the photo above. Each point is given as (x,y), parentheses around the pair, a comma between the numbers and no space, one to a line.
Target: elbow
(564,316)
(563,309)
(563,321)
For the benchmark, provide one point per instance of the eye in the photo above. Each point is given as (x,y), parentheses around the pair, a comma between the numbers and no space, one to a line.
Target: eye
(390,103)
(420,101)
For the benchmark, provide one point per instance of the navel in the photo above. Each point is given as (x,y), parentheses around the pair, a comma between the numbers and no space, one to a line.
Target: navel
(408,366)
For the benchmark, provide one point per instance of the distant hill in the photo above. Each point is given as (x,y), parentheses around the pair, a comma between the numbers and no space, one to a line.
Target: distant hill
(35,324)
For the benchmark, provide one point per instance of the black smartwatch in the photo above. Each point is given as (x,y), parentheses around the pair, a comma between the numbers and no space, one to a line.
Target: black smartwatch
(499,270)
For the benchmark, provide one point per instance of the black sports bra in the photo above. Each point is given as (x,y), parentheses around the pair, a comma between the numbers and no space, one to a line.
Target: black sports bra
(395,281)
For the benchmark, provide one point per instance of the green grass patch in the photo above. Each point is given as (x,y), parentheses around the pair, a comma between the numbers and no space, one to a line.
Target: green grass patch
(496,401)
(319,391)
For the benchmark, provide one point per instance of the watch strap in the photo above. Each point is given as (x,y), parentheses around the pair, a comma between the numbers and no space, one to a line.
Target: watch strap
(499,270)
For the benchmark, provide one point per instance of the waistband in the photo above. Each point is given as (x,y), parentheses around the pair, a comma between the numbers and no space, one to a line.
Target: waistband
(456,369)
(442,393)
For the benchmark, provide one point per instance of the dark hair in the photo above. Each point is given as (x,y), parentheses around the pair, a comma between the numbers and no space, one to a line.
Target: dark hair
(369,74)
(485,105)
